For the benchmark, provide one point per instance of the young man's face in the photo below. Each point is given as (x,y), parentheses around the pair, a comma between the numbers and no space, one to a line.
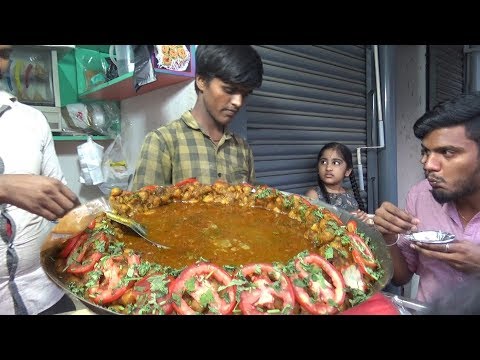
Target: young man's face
(5,51)
(451,163)
(222,100)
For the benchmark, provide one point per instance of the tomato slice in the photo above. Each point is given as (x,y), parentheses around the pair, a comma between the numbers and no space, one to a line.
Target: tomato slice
(92,224)
(152,295)
(69,246)
(352,226)
(266,291)
(87,265)
(149,188)
(315,293)
(364,256)
(112,284)
(203,288)
(83,257)
(186,181)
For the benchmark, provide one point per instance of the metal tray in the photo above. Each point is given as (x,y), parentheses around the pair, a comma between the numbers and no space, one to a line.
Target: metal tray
(51,247)
(379,248)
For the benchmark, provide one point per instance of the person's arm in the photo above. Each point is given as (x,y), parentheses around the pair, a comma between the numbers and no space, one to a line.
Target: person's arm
(154,166)
(41,195)
(43,192)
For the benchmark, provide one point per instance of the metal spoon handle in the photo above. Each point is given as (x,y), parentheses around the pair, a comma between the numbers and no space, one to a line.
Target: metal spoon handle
(138,228)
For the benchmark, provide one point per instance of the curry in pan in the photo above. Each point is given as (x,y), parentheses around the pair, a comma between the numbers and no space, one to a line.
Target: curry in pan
(234,249)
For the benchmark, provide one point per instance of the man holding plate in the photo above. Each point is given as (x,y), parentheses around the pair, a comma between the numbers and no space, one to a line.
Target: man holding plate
(448,200)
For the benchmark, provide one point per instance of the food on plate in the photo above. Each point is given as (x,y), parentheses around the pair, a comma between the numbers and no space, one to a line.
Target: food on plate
(172,57)
(431,237)
(234,249)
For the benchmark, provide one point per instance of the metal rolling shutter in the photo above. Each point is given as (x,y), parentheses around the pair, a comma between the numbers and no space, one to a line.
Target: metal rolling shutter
(310,95)
(446,73)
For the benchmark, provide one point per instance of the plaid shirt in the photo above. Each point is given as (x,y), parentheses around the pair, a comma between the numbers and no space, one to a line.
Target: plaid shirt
(181,150)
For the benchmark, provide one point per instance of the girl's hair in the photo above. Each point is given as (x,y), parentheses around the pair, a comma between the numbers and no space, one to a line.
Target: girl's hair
(346,155)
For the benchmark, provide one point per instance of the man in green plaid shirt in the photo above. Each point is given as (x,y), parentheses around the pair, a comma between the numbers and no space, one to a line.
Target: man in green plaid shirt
(199,144)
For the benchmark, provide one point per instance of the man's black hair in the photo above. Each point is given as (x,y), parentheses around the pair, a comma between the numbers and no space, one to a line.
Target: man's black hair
(463,110)
(234,64)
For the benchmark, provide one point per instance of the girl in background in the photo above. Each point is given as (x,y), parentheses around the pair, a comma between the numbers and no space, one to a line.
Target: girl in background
(335,163)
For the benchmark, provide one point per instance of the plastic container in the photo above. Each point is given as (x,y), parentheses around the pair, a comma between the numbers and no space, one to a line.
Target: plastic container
(122,56)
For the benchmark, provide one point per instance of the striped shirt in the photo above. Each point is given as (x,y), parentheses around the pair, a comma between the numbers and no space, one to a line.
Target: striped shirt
(181,150)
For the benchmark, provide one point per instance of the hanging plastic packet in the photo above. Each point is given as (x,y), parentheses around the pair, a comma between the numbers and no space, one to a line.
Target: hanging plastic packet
(143,73)
(116,169)
(90,155)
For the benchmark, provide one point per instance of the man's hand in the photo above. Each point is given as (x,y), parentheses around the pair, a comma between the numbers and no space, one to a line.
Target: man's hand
(462,255)
(41,195)
(389,220)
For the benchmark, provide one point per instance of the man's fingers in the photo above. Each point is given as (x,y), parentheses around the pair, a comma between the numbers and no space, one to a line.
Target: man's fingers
(45,213)
(387,228)
(61,198)
(393,219)
(437,252)
(70,195)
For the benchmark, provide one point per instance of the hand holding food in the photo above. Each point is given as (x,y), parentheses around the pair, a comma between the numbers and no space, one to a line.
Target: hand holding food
(41,195)
(389,219)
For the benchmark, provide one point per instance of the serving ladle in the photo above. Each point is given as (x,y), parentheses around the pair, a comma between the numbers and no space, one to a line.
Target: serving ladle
(135,226)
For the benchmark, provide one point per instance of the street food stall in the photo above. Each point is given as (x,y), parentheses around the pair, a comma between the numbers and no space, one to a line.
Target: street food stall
(232,249)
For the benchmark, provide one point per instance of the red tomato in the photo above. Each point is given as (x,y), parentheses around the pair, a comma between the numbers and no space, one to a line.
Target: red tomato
(364,253)
(195,291)
(268,291)
(69,246)
(85,249)
(150,289)
(112,284)
(352,226)
(92,224)
(318,294)
(186,181)
(149,188)
(247,184)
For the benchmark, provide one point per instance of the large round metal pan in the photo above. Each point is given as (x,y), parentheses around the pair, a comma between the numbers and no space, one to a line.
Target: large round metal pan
(52,245)
(379,248)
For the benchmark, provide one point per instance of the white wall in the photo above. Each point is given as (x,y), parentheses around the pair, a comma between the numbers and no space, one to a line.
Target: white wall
(67,154)
(147,112)
(140,114)
(410,105)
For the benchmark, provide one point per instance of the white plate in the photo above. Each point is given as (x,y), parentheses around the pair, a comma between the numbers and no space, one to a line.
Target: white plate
(431,237)
(173,57)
